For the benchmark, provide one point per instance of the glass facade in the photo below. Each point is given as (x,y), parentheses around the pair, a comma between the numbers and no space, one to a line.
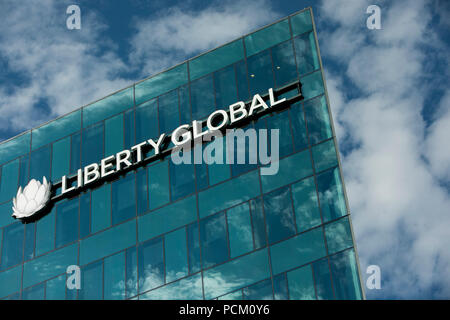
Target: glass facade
(190,231)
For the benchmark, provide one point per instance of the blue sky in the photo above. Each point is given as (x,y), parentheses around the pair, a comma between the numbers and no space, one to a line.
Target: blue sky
(388,90)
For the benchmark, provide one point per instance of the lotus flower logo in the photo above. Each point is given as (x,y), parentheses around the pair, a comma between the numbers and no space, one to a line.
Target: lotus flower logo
(32,199)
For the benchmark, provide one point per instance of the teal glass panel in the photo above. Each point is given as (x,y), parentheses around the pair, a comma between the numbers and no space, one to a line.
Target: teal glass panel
(107,107)
(91,282)
(297,251)
(40,161)
(9,176)
(331,195)
(279,216)
(322,279)
(184,289)
(338,235)
(49,265)
(34,293)
(240,156)
(30,237)
(301,22)
(225,87)
(242,80)
(291,169)
(92,146)
(185,106)
(167,218)
(316,113)
(56,288)
(151,264)
(306,54)
(15,296)
(182,179)
(12,249)
(75,152)
(161,83)
(324,156)
(85,214)
(114,277)
(131,282)
(108,242)
(129,129)
(258,222)
(124,198)
(114,135)
(301,284)
(201,170)
(202,97)
(60,159)
(312,85)
(24,170)
(259,291)
(298,126)
(280,122)
(240,230)
(220,171)
(306,206)
(158,184)
(260,72)
(5,214)
(345,276)
(267,37)
(45,233)
(176,257)
(228,194)
(147,121)
(284,63)
(101,208)
(15,147)
(169,114)
(67,221)
(56,129)
(213,239)
(216,59)
(10,280)
(280,287)
(141,190)
(237,295)
(193,247)
(236,274)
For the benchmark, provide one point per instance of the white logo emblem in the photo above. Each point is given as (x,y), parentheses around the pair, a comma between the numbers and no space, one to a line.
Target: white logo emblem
(32,199)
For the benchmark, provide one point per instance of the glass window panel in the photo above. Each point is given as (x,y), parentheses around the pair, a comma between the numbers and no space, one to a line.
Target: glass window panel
(108,106)
(240,230)
(124,198)
(345,276)
(161,83)
(158,184)
(129,129)
(201,173)
(108,242)
(141,190)
(280,122)
(15,147)
(331,195)
(259,225)
(298,126)
(225,87)
(301,22)
(34,293)
(322,279)
(324,155)
(114,135)
(307,213)
(131,272)
(267,37)
(167,218)
(151,264)
(176,257)
(297,251)
(279,216)
(237,295)
(5,213)
(9,178)
(56,288)
(236,274)
(185,106)
(312,85)
(284,63)
(56,129)
(67,221)
(218,172)
(92,282)
(260,72)
(292,168)
(202,97)
(101,208)
(306,54)
(75,152)
(85,214)
(10,280)
(280,287)
(316,113)
(12,249)
(193,247)
(301,284)
(242,80)
(169,115)
(24,170)
(182,180)
(147,121)
(45,233)
(30,236)
(213,237)
(114,277)
(40,161)
(60,158)
(239,152)
(92,147)
(216,59)
(259,291)
(339,235)
(184,289)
